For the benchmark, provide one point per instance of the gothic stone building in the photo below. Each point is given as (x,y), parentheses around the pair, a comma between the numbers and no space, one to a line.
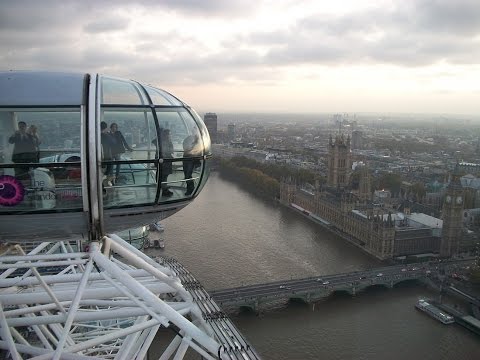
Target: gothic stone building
(373,232)
(351,214)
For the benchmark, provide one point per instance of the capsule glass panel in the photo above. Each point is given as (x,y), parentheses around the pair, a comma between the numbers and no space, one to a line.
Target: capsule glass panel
(43,148)
(160,97)
(186,143)
(207,143)
(119,91)
(129,150)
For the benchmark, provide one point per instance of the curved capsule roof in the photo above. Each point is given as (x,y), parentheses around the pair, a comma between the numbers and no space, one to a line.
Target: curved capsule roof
(86,154)
(25,88)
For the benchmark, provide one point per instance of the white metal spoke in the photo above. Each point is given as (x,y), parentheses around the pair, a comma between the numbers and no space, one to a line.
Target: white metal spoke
(6,334)
(108,303)
(73,310)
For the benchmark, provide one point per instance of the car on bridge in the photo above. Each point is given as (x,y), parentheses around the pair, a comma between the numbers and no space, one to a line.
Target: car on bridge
(379,275)
(326,283)
(284,287)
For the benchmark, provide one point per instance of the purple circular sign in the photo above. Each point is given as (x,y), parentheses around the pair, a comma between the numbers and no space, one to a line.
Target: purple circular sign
(11,191)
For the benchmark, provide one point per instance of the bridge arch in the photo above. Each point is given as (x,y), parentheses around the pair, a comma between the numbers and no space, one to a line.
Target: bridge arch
(341,292)
(370,287)
(299,299)
(402,282)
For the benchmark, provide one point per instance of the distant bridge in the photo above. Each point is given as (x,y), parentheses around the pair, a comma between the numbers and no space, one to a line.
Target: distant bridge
(261,297)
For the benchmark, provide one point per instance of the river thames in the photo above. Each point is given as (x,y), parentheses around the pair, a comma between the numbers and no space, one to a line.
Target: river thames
(227,237)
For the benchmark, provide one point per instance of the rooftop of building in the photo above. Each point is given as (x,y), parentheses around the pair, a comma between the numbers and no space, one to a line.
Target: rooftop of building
(408,221)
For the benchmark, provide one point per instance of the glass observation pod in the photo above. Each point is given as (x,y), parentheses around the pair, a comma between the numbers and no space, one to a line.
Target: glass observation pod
(82,155)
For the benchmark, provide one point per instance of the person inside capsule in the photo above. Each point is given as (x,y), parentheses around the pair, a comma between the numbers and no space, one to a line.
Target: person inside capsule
(167,153)
(119,146)
(191,147)
(23,150)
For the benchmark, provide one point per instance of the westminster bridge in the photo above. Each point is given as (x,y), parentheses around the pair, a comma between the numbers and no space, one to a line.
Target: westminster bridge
(261,297)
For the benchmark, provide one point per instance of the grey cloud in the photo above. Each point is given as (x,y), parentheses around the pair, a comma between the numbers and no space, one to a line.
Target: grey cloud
(48,34)
(460,17)
(342,25)
(57,59)
(102,56)
(31,15)
(162,75)
(235,58)
(170,43)
(304,52)
(398,51)
(27,15)
(53,59)
(197,70)
(271,38)
(50,15)
(17,41)
(106,25)
(204,8)
(413,34)
(233,8)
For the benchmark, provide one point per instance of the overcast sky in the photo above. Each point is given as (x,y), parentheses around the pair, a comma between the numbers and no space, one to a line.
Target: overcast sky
(262,56)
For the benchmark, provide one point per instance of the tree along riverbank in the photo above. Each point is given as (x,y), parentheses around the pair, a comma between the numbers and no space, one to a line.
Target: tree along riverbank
(259,178)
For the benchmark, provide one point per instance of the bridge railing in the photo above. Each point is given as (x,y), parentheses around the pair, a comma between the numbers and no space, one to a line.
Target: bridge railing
(380,275)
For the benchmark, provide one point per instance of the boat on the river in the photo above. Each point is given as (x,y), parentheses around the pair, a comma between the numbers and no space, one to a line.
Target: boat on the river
(157,226)
(434,312)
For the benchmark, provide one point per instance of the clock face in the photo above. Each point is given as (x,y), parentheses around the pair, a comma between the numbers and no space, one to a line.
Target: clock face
(459,200)
(448,199)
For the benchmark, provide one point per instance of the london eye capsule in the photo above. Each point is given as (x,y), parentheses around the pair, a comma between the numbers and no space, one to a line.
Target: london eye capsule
(82,155)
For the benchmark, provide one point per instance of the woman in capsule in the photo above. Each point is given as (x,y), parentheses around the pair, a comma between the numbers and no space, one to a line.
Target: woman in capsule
(119,146)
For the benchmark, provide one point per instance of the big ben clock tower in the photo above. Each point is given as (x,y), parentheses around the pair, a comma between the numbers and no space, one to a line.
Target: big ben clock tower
(452,217)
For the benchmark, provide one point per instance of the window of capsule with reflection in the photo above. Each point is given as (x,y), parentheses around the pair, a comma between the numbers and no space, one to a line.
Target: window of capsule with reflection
(156,151)
(40,160)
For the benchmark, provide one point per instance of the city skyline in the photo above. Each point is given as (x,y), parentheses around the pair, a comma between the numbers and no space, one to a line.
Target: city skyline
(244,56)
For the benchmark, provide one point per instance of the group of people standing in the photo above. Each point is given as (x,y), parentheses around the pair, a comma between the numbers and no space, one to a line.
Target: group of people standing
(26,148)
(113,146)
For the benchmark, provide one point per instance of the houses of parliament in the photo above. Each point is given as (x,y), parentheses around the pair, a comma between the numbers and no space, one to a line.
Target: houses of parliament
(383,231)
